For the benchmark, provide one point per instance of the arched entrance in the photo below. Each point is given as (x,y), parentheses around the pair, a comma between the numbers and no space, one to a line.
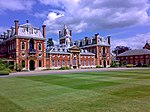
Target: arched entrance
(105,63)
(32,65)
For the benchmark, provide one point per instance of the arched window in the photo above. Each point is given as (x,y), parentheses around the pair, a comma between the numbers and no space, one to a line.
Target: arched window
(40,63)
(23,45)
(40,46)
(23,63)
(31,44)
(103,50)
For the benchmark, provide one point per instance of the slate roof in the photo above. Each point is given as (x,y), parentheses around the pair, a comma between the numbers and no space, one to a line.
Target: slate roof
(135,52)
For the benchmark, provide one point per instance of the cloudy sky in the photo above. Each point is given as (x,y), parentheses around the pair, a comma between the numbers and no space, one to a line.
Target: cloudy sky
(128,21)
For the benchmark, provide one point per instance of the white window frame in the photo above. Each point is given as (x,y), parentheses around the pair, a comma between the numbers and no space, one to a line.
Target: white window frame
(39,45)
(24,45)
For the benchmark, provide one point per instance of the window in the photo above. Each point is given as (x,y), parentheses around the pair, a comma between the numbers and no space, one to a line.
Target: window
(84,63)
(74,62)
(88,63)
(103,50)
(63,63)
(107,62)
(23,54)
(40,63)
(92,62)
(23,63)
(40,55)
(53,63)
(40,46)
(58,63)
(23,46)
(31,44)
(69,62)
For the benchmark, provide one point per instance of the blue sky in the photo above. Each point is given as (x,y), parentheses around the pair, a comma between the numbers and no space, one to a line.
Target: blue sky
(128,22)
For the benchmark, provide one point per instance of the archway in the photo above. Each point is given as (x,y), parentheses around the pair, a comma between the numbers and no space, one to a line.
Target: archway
(105,63)
(32,65)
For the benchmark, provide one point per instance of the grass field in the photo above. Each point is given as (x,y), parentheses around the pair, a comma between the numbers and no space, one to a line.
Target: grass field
(115,91)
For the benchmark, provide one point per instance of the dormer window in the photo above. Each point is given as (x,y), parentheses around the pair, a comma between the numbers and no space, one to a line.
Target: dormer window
(30,31)
(35,31)
(23,45)
(40,47)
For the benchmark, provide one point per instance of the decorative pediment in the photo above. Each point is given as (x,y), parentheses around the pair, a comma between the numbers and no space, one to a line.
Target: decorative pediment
(74,49)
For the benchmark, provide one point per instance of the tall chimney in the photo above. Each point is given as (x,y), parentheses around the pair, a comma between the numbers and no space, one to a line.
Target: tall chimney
(96,38)
(8,31)
(16,27)
(5,35)
(70,32)
(44,30)
(109,40)
(27,21)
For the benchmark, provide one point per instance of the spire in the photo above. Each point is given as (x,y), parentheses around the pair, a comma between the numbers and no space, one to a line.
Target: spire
(65,26)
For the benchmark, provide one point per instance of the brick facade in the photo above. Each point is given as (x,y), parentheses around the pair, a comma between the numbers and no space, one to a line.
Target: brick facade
(25,46)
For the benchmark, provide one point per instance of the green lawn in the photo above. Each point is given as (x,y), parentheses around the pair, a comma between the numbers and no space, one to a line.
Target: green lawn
(115,91)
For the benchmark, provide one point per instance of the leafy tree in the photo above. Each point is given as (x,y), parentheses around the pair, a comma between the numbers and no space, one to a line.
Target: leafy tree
(50,42)
(121,49)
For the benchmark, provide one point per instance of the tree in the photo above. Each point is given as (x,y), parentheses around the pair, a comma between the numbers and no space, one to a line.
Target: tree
(50,42)
(121,49)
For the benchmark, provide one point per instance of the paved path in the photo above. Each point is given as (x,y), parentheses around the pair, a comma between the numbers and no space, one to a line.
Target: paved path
(36,73)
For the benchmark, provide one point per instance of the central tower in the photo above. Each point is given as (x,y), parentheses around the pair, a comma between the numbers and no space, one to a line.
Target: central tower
(65,36)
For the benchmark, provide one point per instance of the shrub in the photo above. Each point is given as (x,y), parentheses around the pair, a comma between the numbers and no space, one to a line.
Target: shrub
(145,65)
(115,64)
(129,65)
(98,66)
(64,68)
(5,71)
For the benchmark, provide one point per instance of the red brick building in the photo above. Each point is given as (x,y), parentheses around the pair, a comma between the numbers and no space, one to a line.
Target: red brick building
(136,57)
(84,53)
(25,46)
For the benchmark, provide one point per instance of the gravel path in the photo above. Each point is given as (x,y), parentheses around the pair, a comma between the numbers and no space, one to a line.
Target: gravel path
(36,73)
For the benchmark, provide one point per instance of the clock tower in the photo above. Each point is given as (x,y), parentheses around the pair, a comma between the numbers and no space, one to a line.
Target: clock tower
(65,36)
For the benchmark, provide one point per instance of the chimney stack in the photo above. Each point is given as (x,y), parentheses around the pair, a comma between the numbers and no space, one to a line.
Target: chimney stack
(27,21)
(109,40)
(16,27)
(44,30)
(96,38)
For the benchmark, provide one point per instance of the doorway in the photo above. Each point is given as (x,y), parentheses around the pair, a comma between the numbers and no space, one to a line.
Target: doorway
(32,65)
(104,63)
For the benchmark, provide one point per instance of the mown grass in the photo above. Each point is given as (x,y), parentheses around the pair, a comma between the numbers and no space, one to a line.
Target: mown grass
(114,91)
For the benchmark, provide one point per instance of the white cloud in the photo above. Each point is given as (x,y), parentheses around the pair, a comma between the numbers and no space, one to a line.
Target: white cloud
(135,42)
(16,5)
(88,15)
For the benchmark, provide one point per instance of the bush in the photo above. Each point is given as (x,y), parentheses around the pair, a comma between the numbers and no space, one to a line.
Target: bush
(5,72)
(98,66)
(145,65)
(64,68)
(129,65)
(115,64)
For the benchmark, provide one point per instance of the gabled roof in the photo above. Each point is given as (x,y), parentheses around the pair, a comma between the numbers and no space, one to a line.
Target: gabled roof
(135,52)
